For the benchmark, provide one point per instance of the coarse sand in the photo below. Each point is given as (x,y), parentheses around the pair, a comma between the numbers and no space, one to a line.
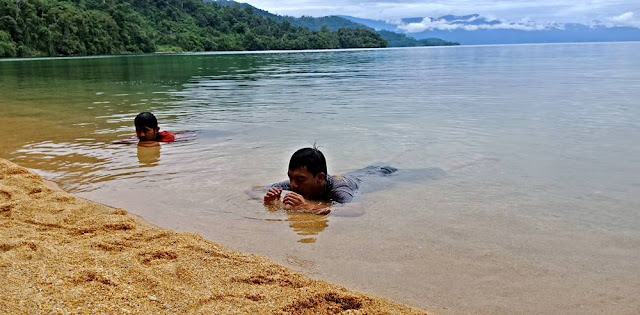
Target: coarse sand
(63,254)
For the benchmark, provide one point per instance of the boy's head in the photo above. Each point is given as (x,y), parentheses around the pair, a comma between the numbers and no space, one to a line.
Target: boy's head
(307,172)
(146,126)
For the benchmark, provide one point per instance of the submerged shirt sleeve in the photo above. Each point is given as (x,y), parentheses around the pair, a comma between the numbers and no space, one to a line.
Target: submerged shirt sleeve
(344,189)
(343,195)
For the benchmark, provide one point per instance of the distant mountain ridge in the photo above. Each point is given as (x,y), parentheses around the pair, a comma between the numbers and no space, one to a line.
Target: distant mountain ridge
(335,22)
(474,29)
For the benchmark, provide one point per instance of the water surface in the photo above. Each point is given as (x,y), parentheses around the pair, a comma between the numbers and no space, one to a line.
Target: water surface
(543,217)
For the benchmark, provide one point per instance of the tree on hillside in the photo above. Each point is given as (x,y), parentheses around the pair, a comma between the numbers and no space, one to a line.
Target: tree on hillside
(360,38)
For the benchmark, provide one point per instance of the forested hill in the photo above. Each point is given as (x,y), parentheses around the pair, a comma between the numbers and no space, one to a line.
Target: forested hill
(97,27)
(402,40)
(333,22)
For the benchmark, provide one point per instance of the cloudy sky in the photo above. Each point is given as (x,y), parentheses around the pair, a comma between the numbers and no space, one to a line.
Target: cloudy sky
(623,12)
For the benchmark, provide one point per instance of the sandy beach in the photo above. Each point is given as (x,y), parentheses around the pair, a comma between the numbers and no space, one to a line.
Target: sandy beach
(63,254)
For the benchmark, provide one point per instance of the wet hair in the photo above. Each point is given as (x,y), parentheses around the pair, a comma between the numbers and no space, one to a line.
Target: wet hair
(145,119)
(311,158)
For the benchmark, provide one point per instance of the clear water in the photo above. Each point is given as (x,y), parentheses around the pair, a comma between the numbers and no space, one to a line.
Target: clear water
(542,218)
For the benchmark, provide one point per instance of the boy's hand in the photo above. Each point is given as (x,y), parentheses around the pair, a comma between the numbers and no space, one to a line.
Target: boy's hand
(294,200)
(272,195)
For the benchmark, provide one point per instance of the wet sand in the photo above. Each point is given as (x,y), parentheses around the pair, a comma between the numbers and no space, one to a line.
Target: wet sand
(60,254)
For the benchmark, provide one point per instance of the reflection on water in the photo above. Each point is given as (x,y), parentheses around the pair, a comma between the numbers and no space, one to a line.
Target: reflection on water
(149,156)
(307,224)
(304,224)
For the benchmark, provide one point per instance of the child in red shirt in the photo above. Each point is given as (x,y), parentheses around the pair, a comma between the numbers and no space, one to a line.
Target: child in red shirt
(149,133)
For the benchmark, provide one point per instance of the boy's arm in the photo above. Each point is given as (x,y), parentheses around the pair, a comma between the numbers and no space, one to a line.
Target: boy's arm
(130,140)
(297,203)
(342,206)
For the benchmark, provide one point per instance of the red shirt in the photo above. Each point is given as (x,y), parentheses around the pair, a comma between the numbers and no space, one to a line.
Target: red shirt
(166,136)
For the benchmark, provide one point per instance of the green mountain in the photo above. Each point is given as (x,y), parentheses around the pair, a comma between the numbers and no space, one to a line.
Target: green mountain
(337,22)
(91,27)
(333,23)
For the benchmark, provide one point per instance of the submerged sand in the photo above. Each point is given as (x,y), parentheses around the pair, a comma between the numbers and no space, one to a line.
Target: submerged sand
(60,254)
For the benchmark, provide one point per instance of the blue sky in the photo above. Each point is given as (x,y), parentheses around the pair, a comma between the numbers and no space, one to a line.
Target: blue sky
(618,12)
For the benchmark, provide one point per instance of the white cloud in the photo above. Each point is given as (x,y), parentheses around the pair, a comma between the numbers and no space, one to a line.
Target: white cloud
(624,17)
(433,24)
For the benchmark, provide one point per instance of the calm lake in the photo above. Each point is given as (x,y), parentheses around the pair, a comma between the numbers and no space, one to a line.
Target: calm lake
(543,218)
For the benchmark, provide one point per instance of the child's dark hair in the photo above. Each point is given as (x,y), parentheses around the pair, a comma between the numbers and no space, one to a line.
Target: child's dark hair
(311,158)
(145,119)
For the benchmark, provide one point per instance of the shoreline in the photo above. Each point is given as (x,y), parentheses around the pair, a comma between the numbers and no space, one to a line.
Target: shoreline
(61,253)
(258,52)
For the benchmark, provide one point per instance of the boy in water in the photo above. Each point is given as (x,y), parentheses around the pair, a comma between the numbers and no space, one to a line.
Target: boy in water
(149,133)
(309,181)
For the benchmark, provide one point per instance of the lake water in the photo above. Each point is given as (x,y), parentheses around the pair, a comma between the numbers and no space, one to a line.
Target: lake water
(543,218)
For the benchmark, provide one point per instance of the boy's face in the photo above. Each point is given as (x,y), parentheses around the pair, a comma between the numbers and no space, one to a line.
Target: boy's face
(304,183)
(147,133)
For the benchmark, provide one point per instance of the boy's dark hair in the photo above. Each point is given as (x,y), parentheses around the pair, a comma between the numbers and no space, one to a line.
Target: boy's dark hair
(145,119)
(311,158)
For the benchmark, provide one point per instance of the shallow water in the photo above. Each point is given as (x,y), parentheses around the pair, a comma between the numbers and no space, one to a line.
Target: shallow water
(538,212)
